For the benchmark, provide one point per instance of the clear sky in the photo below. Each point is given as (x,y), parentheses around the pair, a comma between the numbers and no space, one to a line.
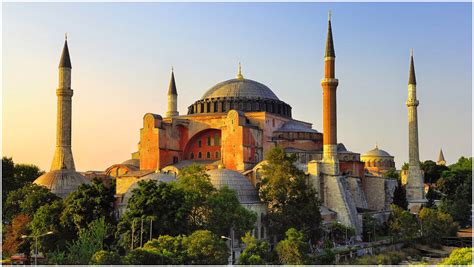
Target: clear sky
(122,54)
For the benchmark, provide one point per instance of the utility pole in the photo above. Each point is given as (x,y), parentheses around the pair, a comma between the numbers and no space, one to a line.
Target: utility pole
(133,229)
(151,227)
(141,234)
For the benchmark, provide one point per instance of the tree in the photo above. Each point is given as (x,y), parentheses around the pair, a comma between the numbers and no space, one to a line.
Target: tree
(456,187)
(103,257)
(170,248)
(459,256)
(436,224)
(13,242)
(370,227)
(141,256)
(392,173)
(405,166)
(432,171)
(402,224)
(293,249)
(255,252)
(47,218)
(90,240)
(164,202)
(26,200)
(86,204)
(400,196)
(292,202)
(195,181)
(340,233)
(15,176)
(204,247)
(225,213)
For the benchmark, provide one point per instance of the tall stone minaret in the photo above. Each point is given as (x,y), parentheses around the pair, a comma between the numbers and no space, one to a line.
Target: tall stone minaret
(63,154)
(415,185)
(329,85)
(63,179)
(172,98)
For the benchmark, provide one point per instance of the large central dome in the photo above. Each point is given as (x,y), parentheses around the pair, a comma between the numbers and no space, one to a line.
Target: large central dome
(240,94)
(240,88)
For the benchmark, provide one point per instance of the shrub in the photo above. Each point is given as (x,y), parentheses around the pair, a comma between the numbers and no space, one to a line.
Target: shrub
(141,256)
(103,257)
(459,256)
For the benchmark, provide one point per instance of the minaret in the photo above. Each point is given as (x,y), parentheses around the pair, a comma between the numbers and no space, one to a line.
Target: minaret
(172,98)
(415,185)
(63,155)
(329,85)
(441,160)
(63,179)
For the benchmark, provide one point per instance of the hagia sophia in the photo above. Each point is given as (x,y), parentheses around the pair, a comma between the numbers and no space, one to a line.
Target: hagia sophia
(229,131)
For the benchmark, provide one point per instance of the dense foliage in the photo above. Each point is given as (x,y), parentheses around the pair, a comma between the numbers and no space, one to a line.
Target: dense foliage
(436,224)
(256,252)
(292,202)
(459,256)
(403,224)
(293,249)
(16,176)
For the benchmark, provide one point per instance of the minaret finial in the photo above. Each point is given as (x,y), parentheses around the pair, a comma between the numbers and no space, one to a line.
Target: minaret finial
(172,69)
(239,73)
(65,36)
(329,14)
(412,77)
(376,145)
(411,52)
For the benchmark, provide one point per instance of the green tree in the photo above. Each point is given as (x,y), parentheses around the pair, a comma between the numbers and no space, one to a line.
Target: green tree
(204,247)
(170,248)
(400,196)
(90,240)
(103,257)
(256,251)
(141,256)
(370,227)
(459,256)
(15,176)
(225,213)
(293,249)
(402,224)
(195,181)
(392,173)
(47,218)
(435,225)
(456,186)
(292,202)
(164,202)
(26,200)
(405,166)
(432,171)
(340,233)
(86,204)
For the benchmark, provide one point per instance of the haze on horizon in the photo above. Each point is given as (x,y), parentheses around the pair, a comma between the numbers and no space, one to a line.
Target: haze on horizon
(122,55)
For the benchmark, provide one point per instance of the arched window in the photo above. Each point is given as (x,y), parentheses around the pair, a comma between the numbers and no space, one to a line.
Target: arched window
(192,155)
(208,155)
(208,107)
(199,143)
(215,106)
(217,154)
(209,141)
(262,232)
(200,155)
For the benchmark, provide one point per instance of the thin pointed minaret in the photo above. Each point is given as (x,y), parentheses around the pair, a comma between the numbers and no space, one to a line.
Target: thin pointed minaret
(172,98)
(441,160)
(239,73)
(63,154)
(329,84)
(415,184)
(63,179)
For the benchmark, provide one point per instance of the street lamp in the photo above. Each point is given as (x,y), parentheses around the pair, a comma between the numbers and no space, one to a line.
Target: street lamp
(231,245)
(36,243)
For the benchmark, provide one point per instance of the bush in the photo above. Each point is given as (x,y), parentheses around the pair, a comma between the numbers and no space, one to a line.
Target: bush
(141,256)
(103,257)
(388,258)
(459,256)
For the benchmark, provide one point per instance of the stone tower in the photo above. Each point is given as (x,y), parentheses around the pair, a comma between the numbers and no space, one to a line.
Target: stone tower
(441,160)
(172,98)
(415,185)
(63,179)
(329,84)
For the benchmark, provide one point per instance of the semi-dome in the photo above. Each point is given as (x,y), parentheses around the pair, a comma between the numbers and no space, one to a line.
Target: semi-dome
(221,177)
(132,162)
(240,94)
(61,182)
(240,88)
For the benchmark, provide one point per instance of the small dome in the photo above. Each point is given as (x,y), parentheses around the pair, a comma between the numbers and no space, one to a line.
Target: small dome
(160,177)
(246,193)
(61,182)
(294,126)
(240,88)
(132,162)
(376,152)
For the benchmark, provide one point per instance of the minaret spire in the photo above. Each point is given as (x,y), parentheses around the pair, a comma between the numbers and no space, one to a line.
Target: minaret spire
(415,184)
(172,97)
(441,160)
(65,61)
(329,84)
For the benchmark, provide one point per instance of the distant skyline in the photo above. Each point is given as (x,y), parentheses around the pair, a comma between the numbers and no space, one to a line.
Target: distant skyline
(122,54)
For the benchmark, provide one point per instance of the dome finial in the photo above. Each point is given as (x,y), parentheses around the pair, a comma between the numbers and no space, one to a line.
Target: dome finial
(239,73)
(376,145)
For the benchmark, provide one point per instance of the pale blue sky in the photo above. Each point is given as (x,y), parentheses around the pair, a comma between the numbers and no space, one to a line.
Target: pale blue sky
(122,54)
